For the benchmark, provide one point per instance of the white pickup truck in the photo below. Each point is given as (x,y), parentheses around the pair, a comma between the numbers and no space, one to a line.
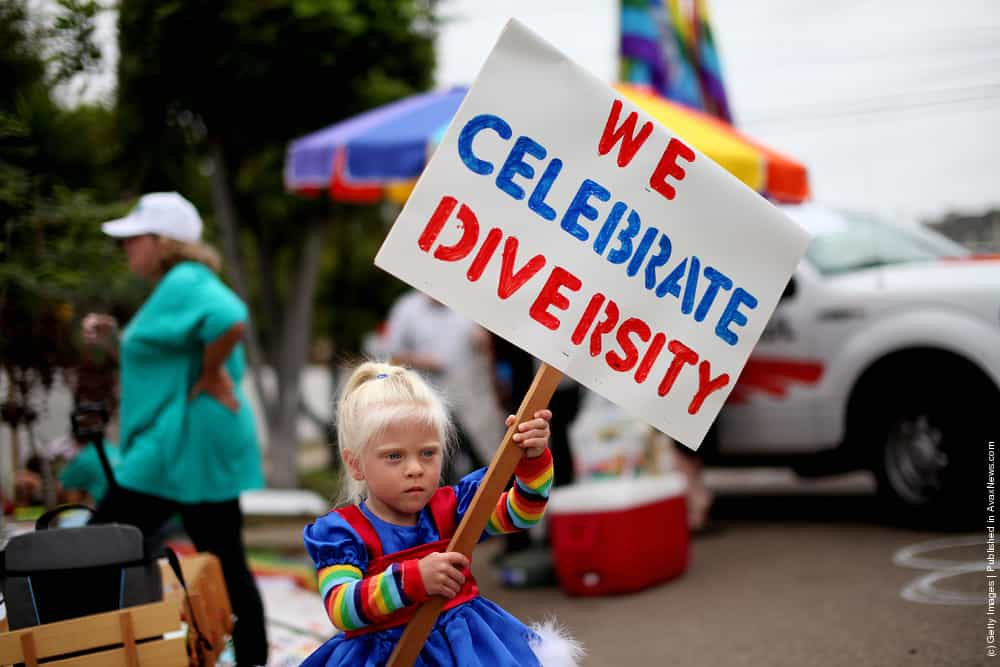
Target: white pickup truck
(884,353)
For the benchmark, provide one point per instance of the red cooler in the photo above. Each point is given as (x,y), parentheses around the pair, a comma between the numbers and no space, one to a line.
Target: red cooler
(620,535)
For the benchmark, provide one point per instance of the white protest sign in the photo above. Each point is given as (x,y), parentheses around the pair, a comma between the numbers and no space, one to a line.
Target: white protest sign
(558,215)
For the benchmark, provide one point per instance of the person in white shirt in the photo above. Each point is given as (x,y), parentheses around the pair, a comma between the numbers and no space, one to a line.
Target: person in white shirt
(451,352)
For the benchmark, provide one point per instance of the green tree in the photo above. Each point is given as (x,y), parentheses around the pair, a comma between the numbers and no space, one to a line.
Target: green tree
(231,83)
(54,167)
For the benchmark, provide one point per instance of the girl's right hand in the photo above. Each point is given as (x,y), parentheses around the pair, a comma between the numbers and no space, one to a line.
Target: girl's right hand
(99,329)
(442,573)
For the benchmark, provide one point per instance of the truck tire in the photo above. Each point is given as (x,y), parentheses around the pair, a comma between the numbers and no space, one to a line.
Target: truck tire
(931,433)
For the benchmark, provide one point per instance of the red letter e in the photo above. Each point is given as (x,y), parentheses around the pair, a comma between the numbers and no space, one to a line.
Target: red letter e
(668,167)
(550,296)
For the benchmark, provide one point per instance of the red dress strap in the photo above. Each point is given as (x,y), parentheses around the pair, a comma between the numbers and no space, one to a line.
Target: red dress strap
(469,590)
(443,504)
(356,519)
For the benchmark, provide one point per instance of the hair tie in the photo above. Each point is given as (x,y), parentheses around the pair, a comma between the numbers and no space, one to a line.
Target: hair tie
(381,376)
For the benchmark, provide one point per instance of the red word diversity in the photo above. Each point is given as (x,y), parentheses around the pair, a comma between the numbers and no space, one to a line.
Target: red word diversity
(627,344)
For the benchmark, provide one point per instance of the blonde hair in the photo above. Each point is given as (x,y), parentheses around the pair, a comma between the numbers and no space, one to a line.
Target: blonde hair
(173,252)
(376,396)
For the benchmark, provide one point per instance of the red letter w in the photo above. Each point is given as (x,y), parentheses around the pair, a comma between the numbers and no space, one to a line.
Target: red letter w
(613,133)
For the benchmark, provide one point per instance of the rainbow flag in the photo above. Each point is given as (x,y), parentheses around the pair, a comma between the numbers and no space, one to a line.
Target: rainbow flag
(713,89)
(667,48)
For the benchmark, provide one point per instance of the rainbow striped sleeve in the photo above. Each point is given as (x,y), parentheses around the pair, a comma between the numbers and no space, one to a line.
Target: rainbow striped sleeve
(354,601)
(523,505)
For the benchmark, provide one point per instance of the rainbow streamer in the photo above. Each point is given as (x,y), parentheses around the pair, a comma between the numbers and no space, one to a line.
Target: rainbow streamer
(668,48)
(713,89)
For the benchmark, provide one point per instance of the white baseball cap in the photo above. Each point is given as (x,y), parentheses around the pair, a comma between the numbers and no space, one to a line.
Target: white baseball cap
(161,213)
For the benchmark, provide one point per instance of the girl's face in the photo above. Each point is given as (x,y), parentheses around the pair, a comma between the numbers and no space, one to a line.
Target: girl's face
(143,254)
(402,468)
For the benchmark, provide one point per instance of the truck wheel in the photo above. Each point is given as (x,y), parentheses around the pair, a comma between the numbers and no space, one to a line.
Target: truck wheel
(932,460)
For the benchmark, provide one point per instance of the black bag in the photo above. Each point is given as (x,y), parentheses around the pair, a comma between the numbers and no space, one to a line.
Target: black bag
(60,573)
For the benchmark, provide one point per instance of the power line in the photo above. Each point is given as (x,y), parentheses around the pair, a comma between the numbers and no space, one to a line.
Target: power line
(905,101)
(832,121)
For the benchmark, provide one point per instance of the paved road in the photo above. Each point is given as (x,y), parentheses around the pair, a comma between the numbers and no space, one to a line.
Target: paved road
(795,575)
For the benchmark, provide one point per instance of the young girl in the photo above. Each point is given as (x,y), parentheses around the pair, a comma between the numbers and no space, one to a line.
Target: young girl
(380,558)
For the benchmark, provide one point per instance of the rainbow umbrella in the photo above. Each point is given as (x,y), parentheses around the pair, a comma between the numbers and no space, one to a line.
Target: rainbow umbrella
(765,170)
(356,158)
(380,153)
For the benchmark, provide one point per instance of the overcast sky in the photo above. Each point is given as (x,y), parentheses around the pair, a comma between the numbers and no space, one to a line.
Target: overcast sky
(894,105)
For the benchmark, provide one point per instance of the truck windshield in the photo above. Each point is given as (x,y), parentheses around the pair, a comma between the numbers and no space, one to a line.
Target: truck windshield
(858,242)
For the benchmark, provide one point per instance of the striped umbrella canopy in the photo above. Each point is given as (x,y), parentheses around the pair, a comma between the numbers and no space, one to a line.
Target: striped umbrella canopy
(380,153)
(765,170)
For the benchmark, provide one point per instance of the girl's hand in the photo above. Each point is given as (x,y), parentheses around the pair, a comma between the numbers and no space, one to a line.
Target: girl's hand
(532,435)
(442,573)
(219,386)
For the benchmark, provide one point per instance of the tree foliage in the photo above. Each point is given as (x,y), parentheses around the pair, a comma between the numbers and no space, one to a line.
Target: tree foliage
(208,97)
(54,168)
(249,77)
(228,85)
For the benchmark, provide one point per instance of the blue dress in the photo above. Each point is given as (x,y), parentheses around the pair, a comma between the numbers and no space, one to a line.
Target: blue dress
(478,632)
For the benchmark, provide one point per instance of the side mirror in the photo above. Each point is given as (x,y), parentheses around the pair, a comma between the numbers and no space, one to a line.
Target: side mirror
(790,289)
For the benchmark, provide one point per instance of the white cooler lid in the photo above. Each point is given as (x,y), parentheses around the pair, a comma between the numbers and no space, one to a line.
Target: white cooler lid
(606,495)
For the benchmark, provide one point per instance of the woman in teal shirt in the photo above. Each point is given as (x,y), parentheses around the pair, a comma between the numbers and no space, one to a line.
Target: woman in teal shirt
(188,442)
